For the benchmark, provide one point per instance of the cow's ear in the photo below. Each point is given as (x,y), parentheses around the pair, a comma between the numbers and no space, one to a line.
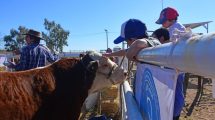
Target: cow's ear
(93,66)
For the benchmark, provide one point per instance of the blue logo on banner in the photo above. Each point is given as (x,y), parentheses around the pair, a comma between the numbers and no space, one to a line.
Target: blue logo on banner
(149,104)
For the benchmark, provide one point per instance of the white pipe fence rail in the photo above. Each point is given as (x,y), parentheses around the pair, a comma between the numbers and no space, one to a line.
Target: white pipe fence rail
(194,55)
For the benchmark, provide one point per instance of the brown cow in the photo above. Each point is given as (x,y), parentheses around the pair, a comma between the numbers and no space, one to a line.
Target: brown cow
(55,92)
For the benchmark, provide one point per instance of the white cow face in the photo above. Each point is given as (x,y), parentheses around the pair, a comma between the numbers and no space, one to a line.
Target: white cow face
(111,71)
(108,73)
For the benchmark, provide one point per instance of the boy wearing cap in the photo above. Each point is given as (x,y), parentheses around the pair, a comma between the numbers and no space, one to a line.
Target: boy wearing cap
(134,32)
(33,54)
(168,19)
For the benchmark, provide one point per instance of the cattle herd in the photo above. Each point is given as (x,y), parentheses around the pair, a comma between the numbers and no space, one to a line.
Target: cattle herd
(57,91)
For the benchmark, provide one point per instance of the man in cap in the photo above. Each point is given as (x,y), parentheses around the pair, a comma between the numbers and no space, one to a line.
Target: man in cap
(168,19)
(33,54)
(134,32)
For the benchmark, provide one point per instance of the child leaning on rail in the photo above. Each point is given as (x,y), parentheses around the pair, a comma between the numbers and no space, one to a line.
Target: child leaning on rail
(133,30)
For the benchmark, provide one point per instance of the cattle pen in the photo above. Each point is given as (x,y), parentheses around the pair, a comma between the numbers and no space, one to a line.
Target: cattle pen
(194,56)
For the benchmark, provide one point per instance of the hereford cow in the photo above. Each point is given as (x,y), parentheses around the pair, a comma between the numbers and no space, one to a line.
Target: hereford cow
(55,92)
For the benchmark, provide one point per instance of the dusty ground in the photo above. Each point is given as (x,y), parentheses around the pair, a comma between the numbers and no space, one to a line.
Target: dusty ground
(200,105)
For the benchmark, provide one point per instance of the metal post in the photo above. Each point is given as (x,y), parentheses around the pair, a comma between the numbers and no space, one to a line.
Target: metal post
(106,31)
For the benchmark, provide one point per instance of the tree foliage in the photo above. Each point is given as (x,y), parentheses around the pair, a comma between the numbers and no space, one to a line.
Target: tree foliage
(56,36)
(15,39)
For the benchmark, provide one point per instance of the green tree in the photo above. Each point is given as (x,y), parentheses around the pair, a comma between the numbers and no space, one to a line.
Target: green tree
(56,36)
(15,39)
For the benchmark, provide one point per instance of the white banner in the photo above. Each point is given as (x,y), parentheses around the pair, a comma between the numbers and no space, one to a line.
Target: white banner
(154,89)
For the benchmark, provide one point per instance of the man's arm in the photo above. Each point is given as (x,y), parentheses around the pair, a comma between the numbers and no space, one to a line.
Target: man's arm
(51,57)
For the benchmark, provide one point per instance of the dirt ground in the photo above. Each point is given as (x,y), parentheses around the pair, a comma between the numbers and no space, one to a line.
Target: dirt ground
(199,103)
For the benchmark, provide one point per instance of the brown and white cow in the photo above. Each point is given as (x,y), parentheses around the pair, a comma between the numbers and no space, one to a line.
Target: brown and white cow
(55,92)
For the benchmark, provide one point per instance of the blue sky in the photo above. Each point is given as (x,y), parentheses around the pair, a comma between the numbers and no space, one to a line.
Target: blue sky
(87,19)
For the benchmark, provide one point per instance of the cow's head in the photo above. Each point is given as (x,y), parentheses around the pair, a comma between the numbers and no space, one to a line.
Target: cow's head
(108,72)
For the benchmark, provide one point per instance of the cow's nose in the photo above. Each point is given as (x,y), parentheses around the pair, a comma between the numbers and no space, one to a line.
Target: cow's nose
(125,73)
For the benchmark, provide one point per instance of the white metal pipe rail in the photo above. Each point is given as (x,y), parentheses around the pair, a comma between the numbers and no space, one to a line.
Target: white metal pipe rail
(194,55)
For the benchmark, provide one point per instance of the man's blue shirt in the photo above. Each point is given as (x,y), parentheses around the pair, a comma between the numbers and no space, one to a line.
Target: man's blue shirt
(34,55)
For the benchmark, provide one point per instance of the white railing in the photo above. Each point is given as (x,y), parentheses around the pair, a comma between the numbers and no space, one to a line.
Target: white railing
(194,55)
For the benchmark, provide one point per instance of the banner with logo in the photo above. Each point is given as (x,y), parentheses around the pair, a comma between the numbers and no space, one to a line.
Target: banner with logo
(154,89)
